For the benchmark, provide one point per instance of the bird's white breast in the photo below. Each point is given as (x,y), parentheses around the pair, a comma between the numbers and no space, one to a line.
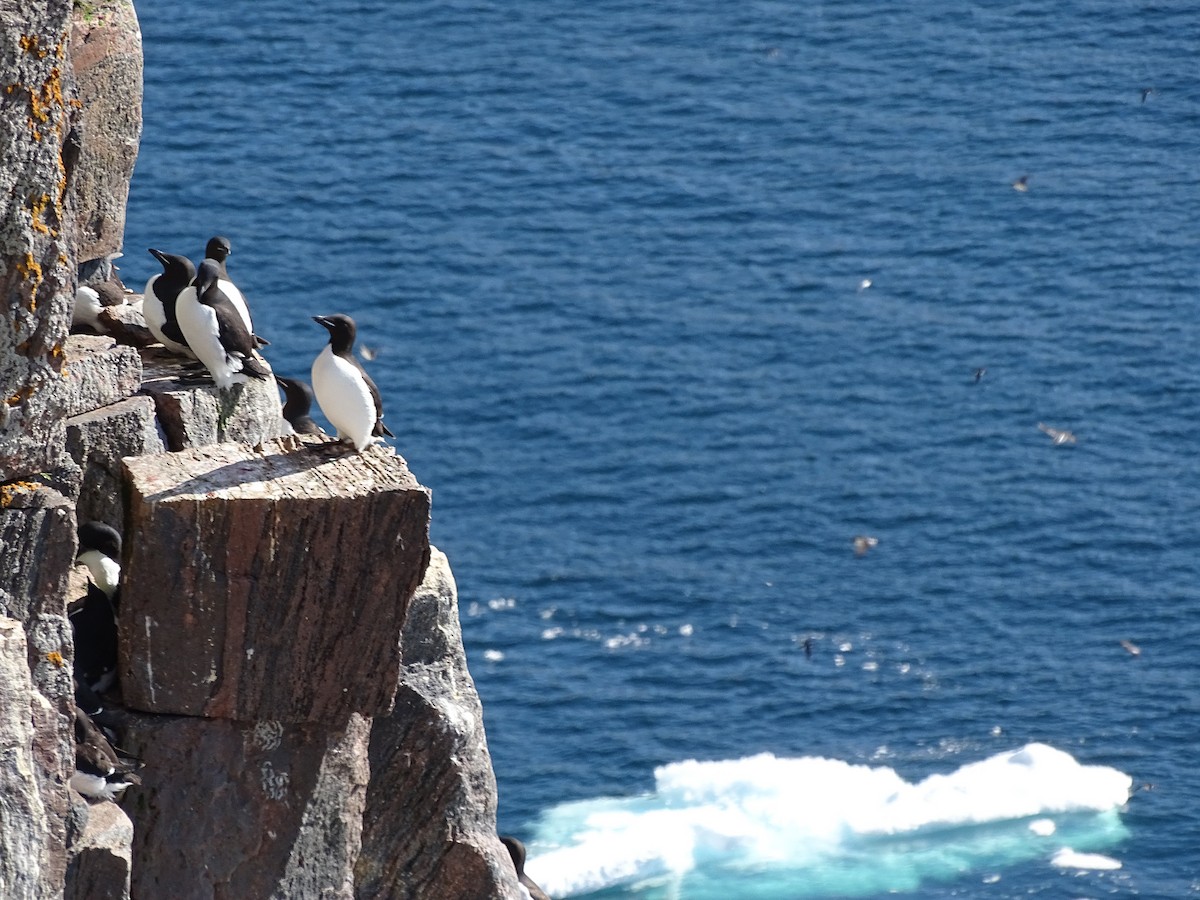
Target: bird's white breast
(198,323)
(344,398)
(105,571)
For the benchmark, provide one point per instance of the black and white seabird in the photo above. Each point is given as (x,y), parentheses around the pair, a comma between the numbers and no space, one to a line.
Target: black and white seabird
(516,850)
(215,331)
(100,773)
(298,405)
(346,394)
(218,249)
(100,551)
(90,301)
(158,300)
(94,622)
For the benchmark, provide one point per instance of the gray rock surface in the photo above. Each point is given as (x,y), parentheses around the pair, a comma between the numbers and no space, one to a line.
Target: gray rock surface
(106,57)
(24,823)
(101,859)
(98,372)
(97,441)
(237,809)
(429,829)
(37,261)
(195,413)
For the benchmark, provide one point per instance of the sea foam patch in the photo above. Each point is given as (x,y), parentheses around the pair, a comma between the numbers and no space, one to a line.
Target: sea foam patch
(823,827)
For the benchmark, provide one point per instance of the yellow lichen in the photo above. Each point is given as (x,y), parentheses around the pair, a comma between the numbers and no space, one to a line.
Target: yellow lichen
(10,492)
(32,44)
(37,210)
(55,657)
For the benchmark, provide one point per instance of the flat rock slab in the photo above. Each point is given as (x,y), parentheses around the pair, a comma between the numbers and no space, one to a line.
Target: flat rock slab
(98,441)
(194,412)
(269,583)
(98,371)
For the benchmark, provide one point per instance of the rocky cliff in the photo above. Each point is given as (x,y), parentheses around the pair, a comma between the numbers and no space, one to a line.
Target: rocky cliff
(303,711)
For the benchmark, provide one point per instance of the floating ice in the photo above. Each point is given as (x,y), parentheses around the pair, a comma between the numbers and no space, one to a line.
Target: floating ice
(825,827)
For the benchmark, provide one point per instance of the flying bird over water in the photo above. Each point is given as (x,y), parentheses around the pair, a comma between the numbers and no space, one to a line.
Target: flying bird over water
(1021,184)
(1057,435)
(345,392)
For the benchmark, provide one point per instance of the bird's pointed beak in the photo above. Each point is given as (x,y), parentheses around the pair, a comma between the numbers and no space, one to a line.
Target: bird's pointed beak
(321,320)
(158,254)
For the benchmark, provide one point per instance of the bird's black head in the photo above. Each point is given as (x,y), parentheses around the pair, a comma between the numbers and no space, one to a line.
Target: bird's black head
(217,248)
(175,267)
(299,396)
(516,850)
(98,536)
(206,276)
(342,331)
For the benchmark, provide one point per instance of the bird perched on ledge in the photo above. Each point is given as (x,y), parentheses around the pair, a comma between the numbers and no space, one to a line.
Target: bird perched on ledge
(159,298)
(298,405)
(345,392)
(216,332)
(100,773)
(218,249)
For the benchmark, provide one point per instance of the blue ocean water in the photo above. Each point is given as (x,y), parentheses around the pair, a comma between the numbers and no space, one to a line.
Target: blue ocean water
(670,303)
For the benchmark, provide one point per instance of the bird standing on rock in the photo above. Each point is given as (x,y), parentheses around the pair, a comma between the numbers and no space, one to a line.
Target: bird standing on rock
(218,250)
(99,772)
(345,392)
(216,331)
(298,405)
(94,622)
(158,300)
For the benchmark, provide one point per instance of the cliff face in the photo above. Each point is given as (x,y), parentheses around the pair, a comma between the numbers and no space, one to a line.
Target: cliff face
(303,710)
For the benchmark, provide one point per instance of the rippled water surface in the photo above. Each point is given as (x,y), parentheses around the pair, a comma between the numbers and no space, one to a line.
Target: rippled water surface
(673,300)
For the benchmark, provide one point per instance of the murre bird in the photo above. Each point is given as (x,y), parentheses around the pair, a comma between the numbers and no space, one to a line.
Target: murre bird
(90,301)
(100,773)
(297,405)
(158,300)
(100,551)
(216,332)
(516,850)
(345,392)
(94,622)
(218,249)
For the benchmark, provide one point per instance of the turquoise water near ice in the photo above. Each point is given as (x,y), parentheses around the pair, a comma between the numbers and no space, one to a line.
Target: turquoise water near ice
(613,259)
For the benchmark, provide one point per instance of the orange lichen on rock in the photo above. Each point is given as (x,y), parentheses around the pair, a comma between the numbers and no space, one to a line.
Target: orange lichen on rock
(10,492)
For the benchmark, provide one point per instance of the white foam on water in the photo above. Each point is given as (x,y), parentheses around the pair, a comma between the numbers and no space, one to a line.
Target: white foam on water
(862,828)
(1066,858)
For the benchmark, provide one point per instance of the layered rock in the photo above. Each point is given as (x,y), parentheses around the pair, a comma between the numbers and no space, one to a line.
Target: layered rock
(429,829)
(302,559)
(281,814)
(106,56)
